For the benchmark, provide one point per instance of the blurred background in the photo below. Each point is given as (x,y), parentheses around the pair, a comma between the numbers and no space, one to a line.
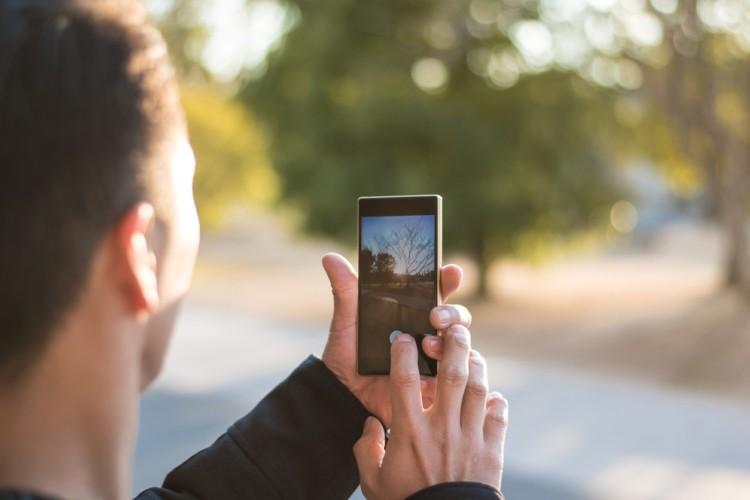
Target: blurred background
(594,159)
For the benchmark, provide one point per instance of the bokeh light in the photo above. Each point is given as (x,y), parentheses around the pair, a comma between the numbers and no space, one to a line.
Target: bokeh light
(623,216)
(430,74)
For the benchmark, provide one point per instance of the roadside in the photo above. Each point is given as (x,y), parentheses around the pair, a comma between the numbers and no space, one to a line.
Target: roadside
(649,312)
(572,436)
(626,372)
(646,310)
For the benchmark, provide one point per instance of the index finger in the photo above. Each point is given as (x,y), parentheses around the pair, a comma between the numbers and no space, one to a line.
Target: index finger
(406,395)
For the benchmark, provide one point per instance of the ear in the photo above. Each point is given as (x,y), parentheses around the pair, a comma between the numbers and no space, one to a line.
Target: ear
(136,260)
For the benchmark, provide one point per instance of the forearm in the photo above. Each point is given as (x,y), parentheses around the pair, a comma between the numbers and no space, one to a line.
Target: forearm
(301,435)
(296,443)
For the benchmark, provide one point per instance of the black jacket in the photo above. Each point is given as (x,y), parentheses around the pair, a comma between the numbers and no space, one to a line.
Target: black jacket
(296,444)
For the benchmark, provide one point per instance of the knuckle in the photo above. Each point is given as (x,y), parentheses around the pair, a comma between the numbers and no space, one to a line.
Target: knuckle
(477,389)
(459,335)
(453,311)
(478,361)
(405,378)
(498,399)
(342,292)
(438,310)
(463,313)
(497,419)
(493,459)
(454,374)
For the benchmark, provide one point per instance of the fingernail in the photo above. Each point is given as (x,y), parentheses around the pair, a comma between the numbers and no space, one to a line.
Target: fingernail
(443,315)
(404,337)
(434,342)
(394,335)
(498,404)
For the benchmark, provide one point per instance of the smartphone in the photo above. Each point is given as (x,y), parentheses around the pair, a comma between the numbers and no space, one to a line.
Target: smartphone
(399,246)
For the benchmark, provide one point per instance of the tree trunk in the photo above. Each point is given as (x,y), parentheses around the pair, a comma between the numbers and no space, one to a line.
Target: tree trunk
(734,219)
(735,248)
(716,148)
(480,258)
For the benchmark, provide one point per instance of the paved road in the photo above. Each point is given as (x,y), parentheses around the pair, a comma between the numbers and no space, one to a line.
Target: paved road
(415,298)
(572,435)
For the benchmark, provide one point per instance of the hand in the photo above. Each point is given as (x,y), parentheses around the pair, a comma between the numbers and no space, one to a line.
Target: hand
(340,353)
(459,438)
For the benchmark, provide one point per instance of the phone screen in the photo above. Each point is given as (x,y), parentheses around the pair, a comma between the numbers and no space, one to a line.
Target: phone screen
(398,282)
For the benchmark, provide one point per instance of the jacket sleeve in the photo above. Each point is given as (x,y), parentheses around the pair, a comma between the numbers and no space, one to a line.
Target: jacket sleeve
(465,490)
(297,443)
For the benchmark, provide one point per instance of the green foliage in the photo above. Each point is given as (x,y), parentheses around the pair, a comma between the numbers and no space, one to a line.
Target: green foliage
(646,132)
(346,118)
(231,152)
(231,155)
(696,78)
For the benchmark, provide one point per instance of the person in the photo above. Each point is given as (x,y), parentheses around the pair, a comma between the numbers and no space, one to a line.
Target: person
(100,235)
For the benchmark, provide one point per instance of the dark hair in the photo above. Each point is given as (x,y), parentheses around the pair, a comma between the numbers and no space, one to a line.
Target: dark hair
(87,101)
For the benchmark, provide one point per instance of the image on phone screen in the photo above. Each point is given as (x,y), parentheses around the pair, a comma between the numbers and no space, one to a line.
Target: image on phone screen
(398,283)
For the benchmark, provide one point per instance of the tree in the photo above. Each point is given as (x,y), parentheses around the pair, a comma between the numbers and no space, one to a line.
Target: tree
(403,97)
(412,248)
(231,154)
(384,267)
(366,265)
(704,92)
(686,65)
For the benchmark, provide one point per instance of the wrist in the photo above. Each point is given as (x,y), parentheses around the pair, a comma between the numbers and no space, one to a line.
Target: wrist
(339,373)
(460,489)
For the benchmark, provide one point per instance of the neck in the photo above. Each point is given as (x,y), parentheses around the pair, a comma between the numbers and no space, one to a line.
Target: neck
(68,428)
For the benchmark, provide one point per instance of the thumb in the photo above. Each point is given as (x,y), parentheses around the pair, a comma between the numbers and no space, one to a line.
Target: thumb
(369,452)
(344,287)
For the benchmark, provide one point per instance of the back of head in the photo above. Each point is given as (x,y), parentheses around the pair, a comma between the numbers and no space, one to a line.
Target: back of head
(87,101)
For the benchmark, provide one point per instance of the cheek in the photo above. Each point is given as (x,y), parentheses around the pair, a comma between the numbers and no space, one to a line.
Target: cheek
(158,336)
(189,226)
(190,238)
(177,271)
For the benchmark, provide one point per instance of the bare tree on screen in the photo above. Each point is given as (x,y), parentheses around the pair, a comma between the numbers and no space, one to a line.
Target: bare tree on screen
(413,249)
